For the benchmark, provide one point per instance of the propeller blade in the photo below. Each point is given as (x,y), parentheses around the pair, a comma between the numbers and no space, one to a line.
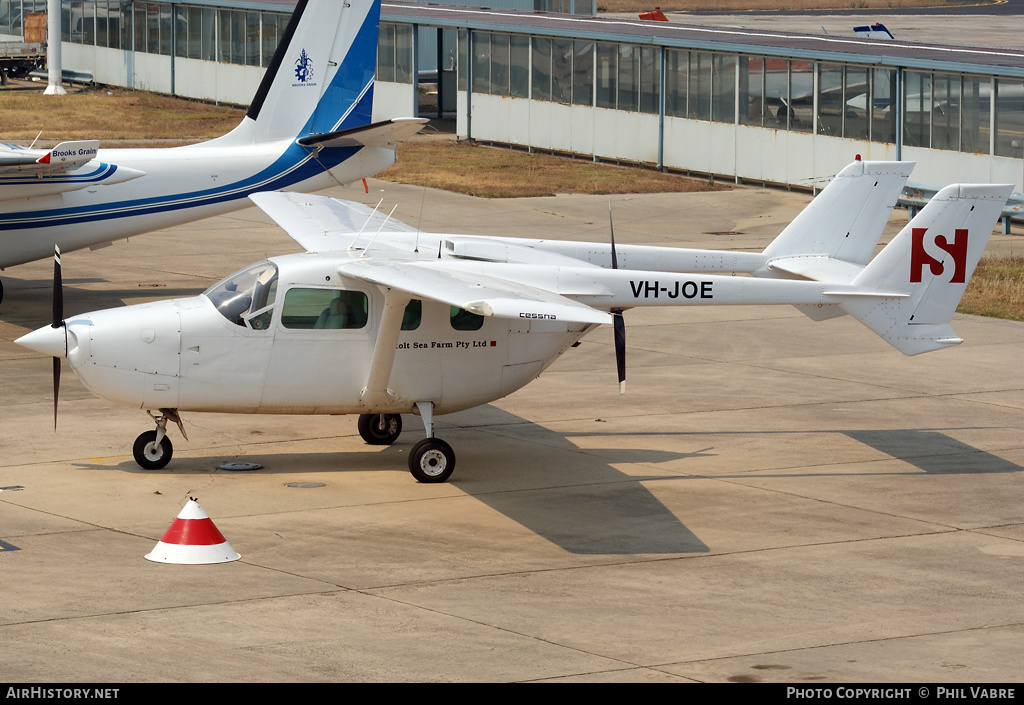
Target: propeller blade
(58,322)
(58,290)
(56,389)
(619,325)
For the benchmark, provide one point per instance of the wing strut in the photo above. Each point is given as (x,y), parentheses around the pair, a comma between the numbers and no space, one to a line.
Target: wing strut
(376,394)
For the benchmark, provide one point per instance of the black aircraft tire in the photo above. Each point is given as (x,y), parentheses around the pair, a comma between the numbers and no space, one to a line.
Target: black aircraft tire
(371,432)
(432,460)
(148,455)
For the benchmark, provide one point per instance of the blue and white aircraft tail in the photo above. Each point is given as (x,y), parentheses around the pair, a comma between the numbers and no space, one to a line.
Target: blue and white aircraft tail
(309,127)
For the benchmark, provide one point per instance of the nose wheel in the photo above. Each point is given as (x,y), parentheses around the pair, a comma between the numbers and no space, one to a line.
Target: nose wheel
(153,449)
(150,453)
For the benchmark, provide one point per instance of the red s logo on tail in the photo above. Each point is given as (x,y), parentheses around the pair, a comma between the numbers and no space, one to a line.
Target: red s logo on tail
(956,249)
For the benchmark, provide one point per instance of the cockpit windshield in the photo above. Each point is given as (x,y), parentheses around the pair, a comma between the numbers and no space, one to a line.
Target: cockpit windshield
(250,291)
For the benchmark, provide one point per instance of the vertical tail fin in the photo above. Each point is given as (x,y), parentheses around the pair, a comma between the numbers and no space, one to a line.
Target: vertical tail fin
(929,263)
(847,218)
(321,76)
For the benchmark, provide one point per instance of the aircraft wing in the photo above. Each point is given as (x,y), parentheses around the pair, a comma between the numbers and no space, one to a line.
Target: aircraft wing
(388,134)
(322,224)
(482,294)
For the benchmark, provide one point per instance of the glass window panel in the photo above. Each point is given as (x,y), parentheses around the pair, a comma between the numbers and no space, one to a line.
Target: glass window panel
(272,23)
(499,64)
(541,88)
(676,61)
(723,96)
(481,62)
(464,320)
(66,13)
(801,91)
(324,309)
(403,53)
(1009,118)
(945,111)
(830,100)
(856,101)
(751,91)
(650,80)
(917,114)
(606,75)
(699,86)
(252,38)
(463,62)
(139,15)
(193,45)
(413,315)
(127,25)
(519,72)
(561,70)
(209,36)
(974,115)
(629,67)
(583,73)
(386,53)
(883,102)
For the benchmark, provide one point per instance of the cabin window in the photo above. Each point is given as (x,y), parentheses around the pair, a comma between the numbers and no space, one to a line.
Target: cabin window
(327,309)
(464,320)
(250,291)
(413,315)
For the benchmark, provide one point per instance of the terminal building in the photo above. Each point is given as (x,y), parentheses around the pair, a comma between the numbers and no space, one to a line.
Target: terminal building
(758,107)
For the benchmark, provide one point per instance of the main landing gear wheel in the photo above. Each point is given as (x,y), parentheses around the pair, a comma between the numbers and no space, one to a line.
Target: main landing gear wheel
(380,429)
(149,454)
(432,460)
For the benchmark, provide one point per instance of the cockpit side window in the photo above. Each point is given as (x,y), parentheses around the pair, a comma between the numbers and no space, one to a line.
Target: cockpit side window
(252,290)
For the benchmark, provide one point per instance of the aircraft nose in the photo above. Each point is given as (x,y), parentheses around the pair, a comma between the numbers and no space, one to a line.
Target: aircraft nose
(47,341)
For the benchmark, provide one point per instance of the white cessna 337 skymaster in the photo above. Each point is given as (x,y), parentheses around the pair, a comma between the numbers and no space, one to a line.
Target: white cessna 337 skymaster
(378,319)
(308,128)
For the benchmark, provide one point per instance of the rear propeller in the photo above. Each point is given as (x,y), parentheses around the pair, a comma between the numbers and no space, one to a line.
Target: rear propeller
(58,322)
(618,324)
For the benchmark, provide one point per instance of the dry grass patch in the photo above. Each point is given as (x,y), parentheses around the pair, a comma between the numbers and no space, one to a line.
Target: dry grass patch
(110,114)
(489,172)
(996,289)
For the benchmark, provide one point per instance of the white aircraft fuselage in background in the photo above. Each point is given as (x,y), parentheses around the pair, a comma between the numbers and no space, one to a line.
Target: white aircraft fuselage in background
(308,128)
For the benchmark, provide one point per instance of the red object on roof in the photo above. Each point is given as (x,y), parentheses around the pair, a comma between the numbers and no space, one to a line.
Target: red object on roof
(657,15)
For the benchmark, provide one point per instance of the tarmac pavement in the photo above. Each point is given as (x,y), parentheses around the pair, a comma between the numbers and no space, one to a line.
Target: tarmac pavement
(773,499)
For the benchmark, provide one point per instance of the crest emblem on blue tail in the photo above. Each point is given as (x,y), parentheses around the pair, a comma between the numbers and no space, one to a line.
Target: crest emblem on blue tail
(304,68)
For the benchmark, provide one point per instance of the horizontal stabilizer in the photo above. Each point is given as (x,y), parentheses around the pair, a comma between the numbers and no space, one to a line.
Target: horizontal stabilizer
(389,135)
(65,157)
(480,294)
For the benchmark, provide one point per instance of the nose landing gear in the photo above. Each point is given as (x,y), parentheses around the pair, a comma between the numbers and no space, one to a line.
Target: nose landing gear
(153,449)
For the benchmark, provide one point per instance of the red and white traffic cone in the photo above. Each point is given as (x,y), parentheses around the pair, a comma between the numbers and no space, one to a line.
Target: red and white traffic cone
(193,540)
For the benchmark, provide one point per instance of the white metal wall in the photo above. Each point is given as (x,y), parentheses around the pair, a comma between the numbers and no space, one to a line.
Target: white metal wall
(192,78)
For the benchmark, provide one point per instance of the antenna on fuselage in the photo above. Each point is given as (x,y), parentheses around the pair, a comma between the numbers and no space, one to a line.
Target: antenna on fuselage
(365,249)
(368,219)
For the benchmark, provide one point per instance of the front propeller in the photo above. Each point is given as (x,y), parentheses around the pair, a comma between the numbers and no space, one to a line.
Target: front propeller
(58,322)
(618,324)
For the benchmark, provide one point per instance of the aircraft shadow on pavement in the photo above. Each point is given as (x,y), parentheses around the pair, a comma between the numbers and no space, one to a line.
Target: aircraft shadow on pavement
(589,508)
(934,452)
